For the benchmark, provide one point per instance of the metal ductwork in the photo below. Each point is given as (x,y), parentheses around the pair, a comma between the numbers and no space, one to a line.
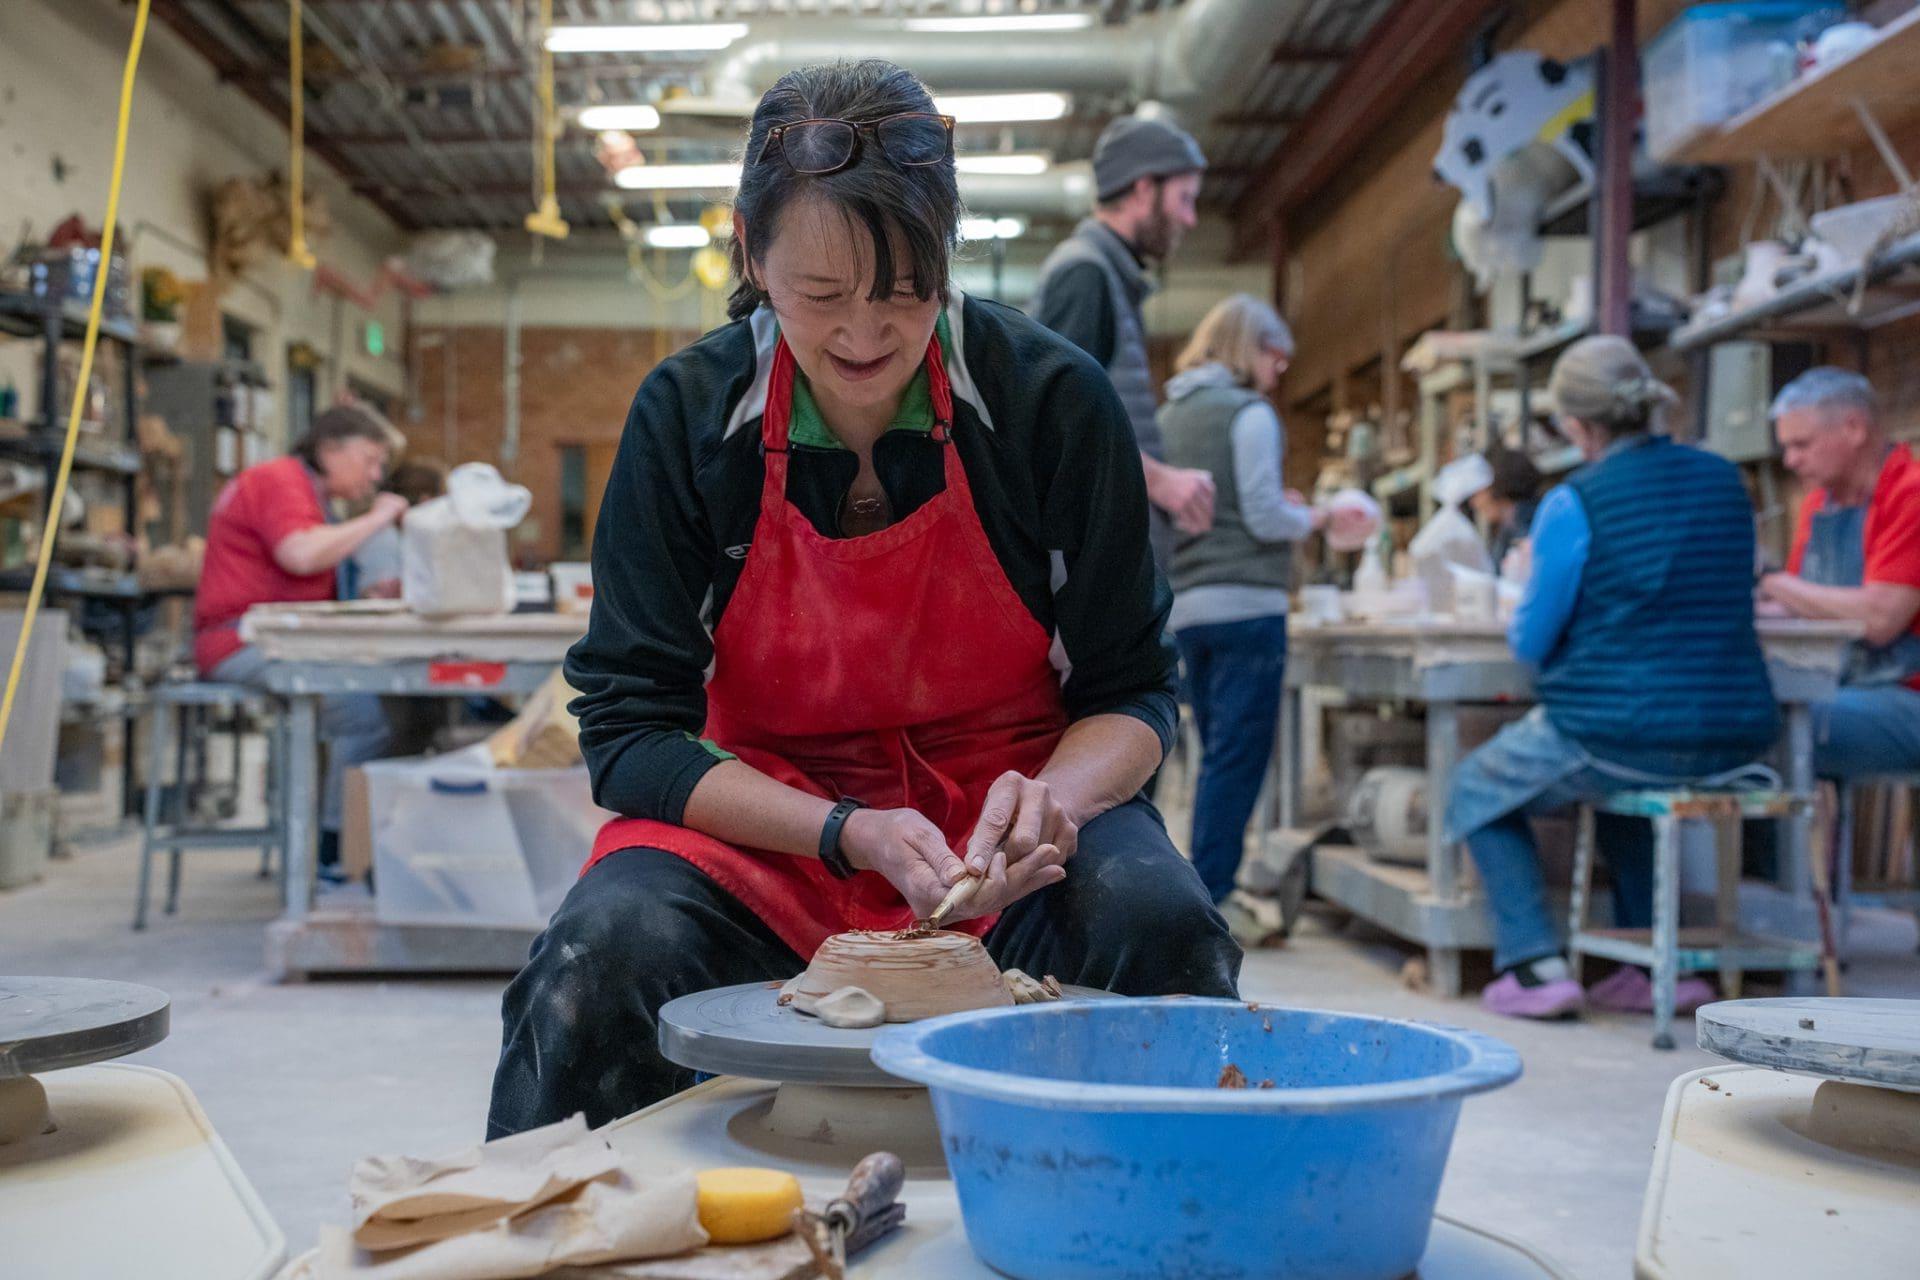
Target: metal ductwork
(1207,49)
(1063,191)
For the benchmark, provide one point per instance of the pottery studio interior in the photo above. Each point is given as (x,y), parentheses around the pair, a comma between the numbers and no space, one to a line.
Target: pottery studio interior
(1428,531)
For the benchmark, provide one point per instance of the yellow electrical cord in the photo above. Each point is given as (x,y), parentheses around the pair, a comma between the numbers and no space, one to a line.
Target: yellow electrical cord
(297,252)
(546,220)
(59,496)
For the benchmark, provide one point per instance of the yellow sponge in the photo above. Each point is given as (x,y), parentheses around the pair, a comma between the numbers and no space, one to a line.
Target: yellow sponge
(746,1206)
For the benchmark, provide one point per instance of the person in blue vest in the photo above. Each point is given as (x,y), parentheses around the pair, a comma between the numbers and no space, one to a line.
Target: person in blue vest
(1638,617)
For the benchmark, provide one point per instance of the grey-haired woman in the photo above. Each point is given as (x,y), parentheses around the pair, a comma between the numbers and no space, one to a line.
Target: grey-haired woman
(1638,616)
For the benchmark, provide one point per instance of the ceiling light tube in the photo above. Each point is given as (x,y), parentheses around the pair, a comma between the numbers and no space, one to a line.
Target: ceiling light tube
(991,228)
(1027,22)
(1016,163)
(678,177)
(661,37)
(677,235)
(631,117)
(1002,108)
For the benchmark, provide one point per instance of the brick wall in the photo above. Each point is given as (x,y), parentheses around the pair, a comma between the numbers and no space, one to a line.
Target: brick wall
(575,388)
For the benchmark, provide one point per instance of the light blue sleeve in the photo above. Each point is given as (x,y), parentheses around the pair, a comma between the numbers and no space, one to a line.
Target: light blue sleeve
(1559,538)
(1258,445)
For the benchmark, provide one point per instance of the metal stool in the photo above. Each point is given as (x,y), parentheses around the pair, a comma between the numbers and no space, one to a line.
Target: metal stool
(1671,951)
(186,704)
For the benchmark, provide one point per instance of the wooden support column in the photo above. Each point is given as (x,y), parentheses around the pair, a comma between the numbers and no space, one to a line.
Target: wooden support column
(1618,109)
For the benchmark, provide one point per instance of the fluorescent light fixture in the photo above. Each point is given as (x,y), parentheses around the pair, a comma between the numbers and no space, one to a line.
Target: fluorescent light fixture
(633,117)
(1002,108)
(1018,163)
(1007,22)
(991,228)
(678,177)
(660,37)
(678,235)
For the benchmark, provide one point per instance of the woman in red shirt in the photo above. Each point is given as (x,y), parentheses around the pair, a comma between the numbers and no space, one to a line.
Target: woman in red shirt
(271,538)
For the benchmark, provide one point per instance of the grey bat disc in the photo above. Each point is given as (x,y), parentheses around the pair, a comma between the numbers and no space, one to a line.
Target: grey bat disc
(1873,1042)
(50,1023)
(744,1031)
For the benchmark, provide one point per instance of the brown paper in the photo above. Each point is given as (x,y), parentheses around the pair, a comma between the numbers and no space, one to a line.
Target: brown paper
(402,1200)
(617,1217)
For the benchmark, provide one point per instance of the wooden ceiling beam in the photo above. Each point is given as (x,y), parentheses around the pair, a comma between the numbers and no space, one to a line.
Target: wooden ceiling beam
(1390,63)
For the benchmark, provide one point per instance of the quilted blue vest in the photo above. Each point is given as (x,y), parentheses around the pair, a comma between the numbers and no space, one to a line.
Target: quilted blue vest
(1659,668)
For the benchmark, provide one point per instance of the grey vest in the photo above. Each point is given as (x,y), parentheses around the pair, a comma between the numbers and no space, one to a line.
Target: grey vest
(1198,431)
(1092,241)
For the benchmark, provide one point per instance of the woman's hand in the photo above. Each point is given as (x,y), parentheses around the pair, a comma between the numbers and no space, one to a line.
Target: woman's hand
(904,846)
(1020,816)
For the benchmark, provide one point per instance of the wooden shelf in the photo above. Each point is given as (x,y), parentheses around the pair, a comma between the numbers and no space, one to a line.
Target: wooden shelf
(1815,115)
(1658,194)
(1821,302)
(25,441)
(25,315)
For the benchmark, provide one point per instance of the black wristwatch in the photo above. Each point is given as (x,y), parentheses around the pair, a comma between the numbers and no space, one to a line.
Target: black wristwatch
(830,853)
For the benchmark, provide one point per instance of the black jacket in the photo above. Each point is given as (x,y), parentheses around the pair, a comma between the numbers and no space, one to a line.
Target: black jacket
(1056,480)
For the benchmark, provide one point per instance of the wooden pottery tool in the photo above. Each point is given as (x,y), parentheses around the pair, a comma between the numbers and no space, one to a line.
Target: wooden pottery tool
(957,897)
(868,1210)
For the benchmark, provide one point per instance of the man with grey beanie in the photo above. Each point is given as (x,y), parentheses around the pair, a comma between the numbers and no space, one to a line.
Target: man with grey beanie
(1092,286)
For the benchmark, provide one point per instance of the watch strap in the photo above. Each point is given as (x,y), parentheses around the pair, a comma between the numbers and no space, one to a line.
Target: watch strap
(830,852)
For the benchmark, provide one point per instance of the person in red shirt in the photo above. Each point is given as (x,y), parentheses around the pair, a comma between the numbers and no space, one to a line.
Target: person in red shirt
(271,539)
(1856,556)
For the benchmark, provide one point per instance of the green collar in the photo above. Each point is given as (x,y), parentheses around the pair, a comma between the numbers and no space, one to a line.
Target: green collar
(806,426)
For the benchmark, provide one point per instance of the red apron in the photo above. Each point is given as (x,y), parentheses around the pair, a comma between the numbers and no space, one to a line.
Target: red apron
(900,668)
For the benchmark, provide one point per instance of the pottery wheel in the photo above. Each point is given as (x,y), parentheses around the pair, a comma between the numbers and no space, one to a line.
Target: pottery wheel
(1871,1042)
(50,1023)
(745,1031)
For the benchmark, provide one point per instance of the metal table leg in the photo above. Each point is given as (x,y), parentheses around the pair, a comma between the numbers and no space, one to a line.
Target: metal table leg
(1794,866)
(1443,857)
(1286,759)
(303,801)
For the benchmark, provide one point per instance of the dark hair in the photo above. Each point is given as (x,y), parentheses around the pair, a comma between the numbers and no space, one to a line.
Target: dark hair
(1514,476)
(418,480)
(921,203)
(345,422)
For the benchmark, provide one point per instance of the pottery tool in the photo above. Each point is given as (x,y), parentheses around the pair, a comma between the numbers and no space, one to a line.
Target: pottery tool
(818,1245)
(957,897)
(868,1210)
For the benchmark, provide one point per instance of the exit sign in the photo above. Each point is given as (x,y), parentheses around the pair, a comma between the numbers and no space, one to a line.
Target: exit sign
(376,338)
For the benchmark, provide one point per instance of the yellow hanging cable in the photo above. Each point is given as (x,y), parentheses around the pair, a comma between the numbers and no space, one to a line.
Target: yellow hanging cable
(297,252)
(546,220)
(57,499)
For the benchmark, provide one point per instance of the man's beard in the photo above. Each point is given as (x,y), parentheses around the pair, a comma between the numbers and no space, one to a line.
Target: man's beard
(1157,236)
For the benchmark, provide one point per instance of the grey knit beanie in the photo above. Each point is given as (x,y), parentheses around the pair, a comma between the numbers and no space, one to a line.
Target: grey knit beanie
(1135,147)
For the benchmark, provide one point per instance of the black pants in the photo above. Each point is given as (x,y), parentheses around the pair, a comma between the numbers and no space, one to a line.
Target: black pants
(644,927)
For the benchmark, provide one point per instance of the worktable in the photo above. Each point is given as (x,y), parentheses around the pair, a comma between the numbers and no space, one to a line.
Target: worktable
(1443,666)
(316,650)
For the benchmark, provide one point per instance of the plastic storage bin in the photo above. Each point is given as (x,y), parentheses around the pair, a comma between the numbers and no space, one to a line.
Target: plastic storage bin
(1716,60)
(458,842)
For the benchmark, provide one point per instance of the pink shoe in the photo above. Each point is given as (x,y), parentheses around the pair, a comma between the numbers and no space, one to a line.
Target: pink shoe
(1628,989)
(1506,995)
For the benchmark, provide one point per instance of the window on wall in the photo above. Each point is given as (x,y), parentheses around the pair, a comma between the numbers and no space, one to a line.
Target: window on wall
(236,338)
(573,502)
(300,394)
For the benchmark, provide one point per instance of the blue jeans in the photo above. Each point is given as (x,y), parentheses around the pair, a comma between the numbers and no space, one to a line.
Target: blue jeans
(1531,768)
(1233,672)
(1865,731)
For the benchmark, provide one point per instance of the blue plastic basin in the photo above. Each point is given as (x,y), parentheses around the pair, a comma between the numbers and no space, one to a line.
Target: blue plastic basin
(1093,1140)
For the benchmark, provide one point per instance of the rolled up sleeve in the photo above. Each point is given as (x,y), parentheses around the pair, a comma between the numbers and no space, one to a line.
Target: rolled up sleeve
(640,669)
(1110,604)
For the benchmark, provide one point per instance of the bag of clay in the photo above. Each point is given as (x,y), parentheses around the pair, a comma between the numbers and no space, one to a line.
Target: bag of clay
(454,548)
(1448,539)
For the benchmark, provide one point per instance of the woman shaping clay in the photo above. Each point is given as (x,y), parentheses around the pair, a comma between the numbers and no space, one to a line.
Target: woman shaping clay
(873,611)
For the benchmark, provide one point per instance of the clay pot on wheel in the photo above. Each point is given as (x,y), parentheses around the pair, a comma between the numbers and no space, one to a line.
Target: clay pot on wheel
(915,977)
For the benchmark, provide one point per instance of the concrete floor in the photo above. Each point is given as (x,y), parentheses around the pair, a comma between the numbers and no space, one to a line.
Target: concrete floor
(302,1079)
